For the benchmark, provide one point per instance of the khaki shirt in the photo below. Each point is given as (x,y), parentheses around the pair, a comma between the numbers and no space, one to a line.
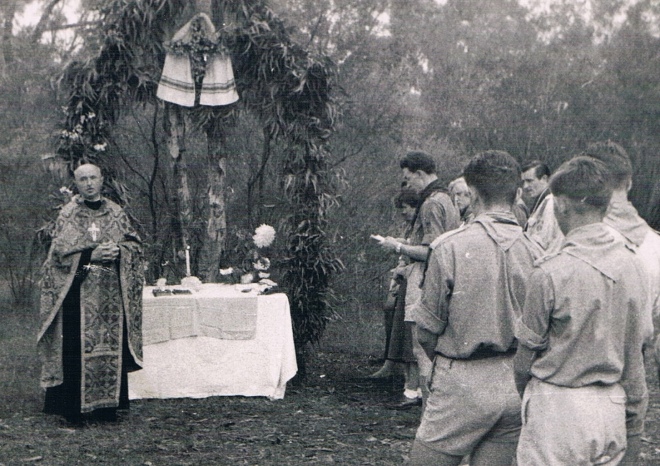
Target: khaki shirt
(437,215)
(584,315)
(475,286)
(629,227)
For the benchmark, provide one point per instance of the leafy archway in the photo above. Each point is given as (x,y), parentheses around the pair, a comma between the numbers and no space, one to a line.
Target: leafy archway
(286,86)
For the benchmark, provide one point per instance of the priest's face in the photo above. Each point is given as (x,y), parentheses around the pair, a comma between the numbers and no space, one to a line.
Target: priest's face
(89,181)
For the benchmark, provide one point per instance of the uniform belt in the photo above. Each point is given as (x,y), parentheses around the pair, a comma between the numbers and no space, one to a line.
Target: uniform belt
(484,353)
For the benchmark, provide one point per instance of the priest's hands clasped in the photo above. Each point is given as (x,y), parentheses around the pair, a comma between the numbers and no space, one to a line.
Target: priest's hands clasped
(107,251)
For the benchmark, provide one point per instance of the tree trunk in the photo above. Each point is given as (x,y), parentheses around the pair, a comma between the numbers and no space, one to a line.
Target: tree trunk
(216,226)
(176,143)
(258,177)
(7,55)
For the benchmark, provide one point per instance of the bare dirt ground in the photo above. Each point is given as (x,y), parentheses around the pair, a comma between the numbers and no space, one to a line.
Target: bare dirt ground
(337,417)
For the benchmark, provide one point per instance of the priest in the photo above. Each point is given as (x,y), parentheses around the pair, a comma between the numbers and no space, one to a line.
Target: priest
(90,333)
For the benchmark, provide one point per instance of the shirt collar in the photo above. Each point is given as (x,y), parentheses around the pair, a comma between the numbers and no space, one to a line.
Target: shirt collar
(592,244)
(430,188)
(80,201)
(623,217)
(540,198)
(502,227)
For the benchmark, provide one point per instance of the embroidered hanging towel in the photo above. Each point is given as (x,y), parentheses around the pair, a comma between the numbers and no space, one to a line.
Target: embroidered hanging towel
(176,83)
(218,87)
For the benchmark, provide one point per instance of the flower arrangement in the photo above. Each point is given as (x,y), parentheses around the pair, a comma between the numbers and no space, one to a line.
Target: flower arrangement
(264,236)
(254,266)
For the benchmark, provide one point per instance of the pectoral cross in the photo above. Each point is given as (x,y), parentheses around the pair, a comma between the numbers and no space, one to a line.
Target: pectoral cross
(94,230)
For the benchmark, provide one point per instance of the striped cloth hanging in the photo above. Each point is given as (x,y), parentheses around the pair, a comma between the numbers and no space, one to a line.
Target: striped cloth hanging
(218,86)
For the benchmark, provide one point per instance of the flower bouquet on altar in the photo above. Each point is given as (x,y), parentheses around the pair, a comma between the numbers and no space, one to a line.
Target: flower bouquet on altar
(255,266)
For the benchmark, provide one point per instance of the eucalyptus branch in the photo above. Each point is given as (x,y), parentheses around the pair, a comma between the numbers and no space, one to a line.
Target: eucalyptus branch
(80,24)
(312,35)
(43,21)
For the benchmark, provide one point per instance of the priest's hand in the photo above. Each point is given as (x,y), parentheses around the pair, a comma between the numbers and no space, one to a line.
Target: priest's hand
(105,252)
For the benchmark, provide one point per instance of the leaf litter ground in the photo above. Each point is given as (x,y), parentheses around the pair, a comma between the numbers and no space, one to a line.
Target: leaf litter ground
(336,417)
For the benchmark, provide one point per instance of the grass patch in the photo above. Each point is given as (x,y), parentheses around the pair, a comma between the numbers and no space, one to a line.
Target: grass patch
(19,372)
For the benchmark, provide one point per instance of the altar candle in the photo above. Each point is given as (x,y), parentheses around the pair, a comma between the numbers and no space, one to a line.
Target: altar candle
(187,261)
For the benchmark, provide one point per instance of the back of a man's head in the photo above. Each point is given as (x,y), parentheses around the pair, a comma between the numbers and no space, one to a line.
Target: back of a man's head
(540,168)
(495,175)
(418,160)
(586,181)
(616,160)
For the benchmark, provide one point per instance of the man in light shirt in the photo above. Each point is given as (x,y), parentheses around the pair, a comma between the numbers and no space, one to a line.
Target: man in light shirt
(579,363)
(473,291)
(629,227)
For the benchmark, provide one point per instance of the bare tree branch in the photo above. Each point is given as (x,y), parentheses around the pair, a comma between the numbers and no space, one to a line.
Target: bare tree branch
(59,27)
(43,21)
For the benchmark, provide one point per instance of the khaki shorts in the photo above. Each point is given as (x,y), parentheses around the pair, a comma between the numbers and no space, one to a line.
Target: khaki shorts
(470,401)
(423,361)
(563,425)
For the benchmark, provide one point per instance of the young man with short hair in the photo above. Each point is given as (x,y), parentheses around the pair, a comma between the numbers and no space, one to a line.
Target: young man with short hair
(90,330)
(579,361)
(629,227)
(473,291)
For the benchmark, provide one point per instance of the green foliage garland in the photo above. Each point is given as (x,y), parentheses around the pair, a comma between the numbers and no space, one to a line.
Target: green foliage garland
(126,69)
(286,86)
(290,89)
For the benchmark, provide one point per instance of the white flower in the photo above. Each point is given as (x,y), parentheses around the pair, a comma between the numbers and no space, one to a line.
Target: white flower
(100,147)
(228,271)
(264,236)
(247,278)
(66,191)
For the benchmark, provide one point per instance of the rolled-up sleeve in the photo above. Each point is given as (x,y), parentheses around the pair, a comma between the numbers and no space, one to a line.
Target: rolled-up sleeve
(431,312)
(531,328)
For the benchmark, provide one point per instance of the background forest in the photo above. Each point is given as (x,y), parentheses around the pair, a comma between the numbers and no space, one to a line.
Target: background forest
(537,79)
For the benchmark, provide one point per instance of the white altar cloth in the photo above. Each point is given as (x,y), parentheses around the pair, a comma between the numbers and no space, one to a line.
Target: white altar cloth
(183,366)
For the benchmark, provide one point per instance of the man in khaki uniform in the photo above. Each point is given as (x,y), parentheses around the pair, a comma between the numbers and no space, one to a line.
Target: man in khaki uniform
(579,361)
(473,291)
(629,227)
